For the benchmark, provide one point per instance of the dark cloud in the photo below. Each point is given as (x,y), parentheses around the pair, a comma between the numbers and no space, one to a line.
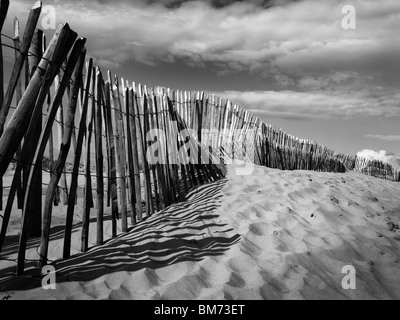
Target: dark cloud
(173,4)
(300,47)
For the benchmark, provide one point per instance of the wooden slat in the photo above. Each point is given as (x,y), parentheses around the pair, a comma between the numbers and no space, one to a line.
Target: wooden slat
(136,147)
(16,186)
(63,42)
(99,158)
(168,153)
(112,173)
(183,167)
(87,198)
(18,96)
(26,42)
(147,172)
(64,148)
(60,127)
(18,125)
(173,131)
(51,150)
(167,197)
(120,152)
(76,164)
(154,167)
(199,126)
(4,5)
(30,144)
(162,168)
(128,115)
(107,144)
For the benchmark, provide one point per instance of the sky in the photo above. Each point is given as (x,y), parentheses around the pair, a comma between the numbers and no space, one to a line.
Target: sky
(291,63)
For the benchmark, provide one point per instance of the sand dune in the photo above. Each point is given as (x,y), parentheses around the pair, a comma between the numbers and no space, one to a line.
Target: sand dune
(270,235)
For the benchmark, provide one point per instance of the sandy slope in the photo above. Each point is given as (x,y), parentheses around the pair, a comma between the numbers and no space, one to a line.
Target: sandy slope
(270,235)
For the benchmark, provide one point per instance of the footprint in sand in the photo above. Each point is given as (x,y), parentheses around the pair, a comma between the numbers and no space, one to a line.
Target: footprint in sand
(152,277)
(189,287)
(120,294)
(259,228)
(266,211)
(240,264)
(236,280)
(273,289)
(204,277)
(266,214)
(250,248)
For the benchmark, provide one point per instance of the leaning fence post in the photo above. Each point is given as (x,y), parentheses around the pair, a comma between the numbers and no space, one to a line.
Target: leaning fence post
(75,168)
(26,42)
(135,155)
(16,182)
(57,50)
(99,159)
(30,143)
(19,122)
(112,179)
(60,128)
(88,198)
(129,148)
(4,4)
(18,93)
(120,153)
(76,65)
(162,174)
(152,167)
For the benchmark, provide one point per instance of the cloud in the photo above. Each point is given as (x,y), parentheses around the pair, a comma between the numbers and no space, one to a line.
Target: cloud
(297,105)
(299,48)
(300,40)
(173,4)
(382,155)
(391,138)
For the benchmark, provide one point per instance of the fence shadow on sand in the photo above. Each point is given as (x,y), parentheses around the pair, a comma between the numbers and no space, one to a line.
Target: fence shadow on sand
(187,231)
(57,232)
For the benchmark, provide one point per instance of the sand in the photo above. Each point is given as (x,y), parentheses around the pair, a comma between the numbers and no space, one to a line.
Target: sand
(269,235)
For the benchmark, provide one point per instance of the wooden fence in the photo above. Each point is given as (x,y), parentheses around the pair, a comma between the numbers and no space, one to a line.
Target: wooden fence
(145,147)
(377,169)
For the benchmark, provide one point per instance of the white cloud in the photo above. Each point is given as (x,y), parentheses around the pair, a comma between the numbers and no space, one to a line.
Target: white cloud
(384,137)
(314,104)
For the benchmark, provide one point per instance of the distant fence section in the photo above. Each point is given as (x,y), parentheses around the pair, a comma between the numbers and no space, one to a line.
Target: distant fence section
(377,169)
(120,145)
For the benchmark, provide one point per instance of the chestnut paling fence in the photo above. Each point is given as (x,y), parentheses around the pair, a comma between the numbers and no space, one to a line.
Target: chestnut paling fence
(133,141)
